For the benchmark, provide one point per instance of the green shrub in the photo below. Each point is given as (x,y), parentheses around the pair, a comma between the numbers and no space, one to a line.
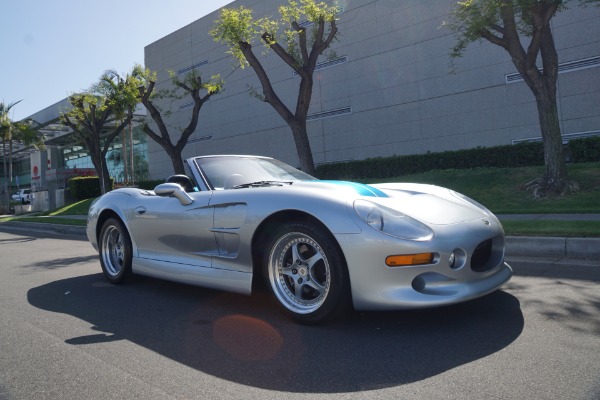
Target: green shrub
(150,184)
(84,187)
(520,155)
(585,149)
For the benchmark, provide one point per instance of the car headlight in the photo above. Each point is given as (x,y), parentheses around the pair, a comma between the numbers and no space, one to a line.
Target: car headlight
(392,222)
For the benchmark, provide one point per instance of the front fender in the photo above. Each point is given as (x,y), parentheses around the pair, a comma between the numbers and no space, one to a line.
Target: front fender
(111,204)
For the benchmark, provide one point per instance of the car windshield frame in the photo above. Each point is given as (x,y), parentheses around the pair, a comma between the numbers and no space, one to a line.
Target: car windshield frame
(234,172)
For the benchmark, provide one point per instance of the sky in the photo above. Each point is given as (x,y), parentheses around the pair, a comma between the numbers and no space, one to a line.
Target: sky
(50,49)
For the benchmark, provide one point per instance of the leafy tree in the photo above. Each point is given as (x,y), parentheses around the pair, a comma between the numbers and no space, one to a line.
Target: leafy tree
(22,132)
(522,28)
(192,86)
(5,130)
(298,44)
(113,97)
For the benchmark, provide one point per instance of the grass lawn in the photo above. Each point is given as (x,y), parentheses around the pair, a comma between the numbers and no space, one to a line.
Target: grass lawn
(499,189)
(552,228)
(78,208)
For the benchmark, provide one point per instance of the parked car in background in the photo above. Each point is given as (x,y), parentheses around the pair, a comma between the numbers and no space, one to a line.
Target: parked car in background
(22,195)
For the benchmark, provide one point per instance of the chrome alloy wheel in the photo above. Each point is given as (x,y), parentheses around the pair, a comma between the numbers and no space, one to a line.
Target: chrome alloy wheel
(113,250)
(299,273)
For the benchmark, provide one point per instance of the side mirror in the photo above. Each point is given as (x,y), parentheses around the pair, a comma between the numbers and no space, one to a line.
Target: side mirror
(173,190)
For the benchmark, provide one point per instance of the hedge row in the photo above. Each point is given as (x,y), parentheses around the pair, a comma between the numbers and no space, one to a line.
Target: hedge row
(150,185)
(585,150)
(520,155)
(87,187)
(84,187)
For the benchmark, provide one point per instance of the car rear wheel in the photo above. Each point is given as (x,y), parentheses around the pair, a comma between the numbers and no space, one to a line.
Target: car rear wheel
(115,251)
(307,273)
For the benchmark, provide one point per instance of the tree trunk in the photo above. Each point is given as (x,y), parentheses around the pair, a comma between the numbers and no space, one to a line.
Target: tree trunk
(556,170)
(5,190)
(303,147)
(106,177)
(102,171)
(10,161)
(177,160)
(555,181)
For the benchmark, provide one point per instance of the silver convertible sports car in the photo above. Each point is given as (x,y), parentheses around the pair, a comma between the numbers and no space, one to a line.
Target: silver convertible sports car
(320,246)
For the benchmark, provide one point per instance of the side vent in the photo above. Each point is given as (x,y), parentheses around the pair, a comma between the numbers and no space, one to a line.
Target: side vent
(571,66)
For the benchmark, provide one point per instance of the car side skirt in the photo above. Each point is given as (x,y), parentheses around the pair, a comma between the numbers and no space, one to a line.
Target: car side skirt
(213,278)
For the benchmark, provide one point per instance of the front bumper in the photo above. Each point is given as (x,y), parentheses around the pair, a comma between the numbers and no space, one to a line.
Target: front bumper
(375,286)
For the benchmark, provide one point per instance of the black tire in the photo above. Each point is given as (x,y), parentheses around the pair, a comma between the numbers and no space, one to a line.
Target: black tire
(306,272)
(115,251)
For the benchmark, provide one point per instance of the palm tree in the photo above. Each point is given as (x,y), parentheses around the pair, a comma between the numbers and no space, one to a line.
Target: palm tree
(112,96)
(5,131)
(15,132)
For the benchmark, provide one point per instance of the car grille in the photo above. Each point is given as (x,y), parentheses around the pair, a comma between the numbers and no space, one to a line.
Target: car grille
(481,258)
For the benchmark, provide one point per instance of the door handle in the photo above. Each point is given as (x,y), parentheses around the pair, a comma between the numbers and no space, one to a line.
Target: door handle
(140,210)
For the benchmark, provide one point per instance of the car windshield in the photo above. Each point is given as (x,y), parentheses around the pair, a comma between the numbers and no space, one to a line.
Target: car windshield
(227,172)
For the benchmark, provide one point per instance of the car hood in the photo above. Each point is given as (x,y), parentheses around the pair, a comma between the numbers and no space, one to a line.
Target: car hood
(427,203)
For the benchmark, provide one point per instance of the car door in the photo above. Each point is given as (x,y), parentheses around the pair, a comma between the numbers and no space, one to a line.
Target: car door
(163,229)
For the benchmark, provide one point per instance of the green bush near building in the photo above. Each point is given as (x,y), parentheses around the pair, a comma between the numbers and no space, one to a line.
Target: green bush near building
(510,156)
(150,184)
(585,150)
(85,187)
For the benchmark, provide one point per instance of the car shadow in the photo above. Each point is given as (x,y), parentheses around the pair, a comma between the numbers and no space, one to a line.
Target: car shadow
(249,341)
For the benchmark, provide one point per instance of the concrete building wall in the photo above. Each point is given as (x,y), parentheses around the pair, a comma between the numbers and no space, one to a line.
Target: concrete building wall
(397,93)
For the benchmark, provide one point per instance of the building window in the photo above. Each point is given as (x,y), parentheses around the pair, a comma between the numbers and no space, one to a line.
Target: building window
(76,157)
(191,67)
(329,114)
(200,139)
(570,66)
(328,64)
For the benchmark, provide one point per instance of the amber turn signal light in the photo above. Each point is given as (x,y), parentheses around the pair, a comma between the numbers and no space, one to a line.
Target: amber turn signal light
(409,259)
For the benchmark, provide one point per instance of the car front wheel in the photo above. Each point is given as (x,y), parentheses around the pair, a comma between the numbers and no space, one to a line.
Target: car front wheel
(115,251)
(307,273)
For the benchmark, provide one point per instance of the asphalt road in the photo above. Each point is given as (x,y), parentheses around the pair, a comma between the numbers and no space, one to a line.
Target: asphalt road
(67,334)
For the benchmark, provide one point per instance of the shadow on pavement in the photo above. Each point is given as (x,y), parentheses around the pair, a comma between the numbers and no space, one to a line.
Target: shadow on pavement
(249,341)
(564,291)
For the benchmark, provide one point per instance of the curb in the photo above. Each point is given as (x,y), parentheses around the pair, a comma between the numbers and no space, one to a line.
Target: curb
(46,227)
(516,246)
(530,246)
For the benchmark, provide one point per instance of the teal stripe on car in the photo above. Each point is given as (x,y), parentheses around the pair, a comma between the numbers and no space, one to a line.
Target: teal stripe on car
(360,189)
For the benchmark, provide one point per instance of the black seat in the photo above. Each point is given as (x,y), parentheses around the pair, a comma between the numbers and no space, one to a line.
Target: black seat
(183,180)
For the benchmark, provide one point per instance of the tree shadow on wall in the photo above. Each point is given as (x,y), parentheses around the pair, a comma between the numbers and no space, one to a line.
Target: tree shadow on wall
(249,341)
